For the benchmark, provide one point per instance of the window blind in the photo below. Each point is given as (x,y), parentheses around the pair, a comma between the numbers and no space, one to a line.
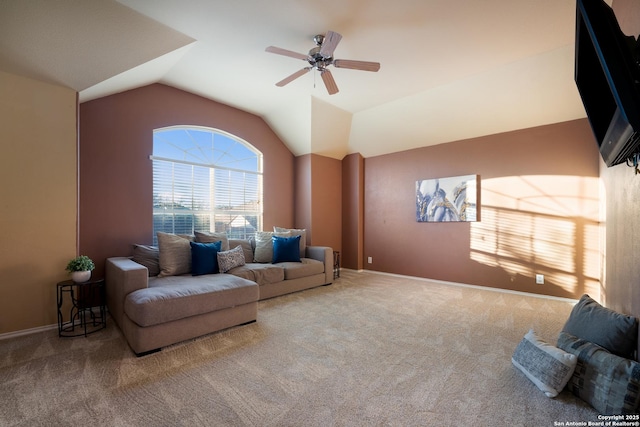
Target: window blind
(189,196)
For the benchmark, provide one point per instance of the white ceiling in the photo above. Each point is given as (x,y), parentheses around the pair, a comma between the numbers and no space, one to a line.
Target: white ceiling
(451,69)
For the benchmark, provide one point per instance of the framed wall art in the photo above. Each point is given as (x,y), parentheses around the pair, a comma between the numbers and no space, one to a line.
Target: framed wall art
(449,199)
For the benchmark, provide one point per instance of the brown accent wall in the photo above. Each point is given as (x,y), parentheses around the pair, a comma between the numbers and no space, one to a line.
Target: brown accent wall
(352,212)
(620,195)
(319,199)
(116,140)
(326,195)
(539,212)
(38,213)
(303,195)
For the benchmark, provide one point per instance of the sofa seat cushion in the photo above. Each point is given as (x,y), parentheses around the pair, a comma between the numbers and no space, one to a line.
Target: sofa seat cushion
(262,274)
(242,271)
(307,267)
(177,297)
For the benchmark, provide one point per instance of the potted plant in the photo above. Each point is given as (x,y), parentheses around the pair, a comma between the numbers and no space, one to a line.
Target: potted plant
(80,268)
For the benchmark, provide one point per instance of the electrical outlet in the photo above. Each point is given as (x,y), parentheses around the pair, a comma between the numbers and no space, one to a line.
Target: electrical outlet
(370,260)
(540,279)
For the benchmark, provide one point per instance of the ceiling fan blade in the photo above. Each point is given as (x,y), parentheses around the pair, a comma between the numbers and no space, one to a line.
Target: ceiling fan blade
(331,40)
(293,76)
(356,65)
(329,82)
(285,52)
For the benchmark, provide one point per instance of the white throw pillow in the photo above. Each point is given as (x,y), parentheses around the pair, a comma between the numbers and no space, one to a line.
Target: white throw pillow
(264,245)
(302,232)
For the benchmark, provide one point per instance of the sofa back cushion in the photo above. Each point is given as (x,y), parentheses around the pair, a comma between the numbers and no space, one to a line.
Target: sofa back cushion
(149,256)
(210,237)
(246,247)
(175,254)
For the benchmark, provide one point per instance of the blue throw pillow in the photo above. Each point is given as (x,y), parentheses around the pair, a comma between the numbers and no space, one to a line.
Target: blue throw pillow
(204,258)
(286,249)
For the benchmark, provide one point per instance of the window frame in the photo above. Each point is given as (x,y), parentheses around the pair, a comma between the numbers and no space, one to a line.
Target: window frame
(254,216)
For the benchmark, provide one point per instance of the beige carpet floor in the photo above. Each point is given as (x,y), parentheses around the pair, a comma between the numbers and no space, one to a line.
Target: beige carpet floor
(369,350)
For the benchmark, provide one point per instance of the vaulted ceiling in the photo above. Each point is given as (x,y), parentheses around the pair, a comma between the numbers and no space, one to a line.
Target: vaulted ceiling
(451,69)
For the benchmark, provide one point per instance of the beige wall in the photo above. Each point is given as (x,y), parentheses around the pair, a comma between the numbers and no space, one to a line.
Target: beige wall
(38,211)
(539,212)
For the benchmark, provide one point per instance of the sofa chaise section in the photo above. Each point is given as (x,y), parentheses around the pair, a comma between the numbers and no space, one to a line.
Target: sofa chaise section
(154,312)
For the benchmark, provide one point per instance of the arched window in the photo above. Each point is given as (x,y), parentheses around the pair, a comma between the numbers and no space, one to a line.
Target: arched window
(205,180)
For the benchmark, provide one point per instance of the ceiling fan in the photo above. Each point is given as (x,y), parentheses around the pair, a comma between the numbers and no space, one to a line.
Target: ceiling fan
(320,57)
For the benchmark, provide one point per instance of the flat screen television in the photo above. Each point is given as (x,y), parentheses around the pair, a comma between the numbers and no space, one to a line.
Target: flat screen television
(607,75)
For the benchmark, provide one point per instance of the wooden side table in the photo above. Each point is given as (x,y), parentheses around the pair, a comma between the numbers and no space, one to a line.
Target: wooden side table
(85,303)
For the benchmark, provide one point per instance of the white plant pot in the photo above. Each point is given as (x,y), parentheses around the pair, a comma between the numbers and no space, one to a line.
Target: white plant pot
(80,276)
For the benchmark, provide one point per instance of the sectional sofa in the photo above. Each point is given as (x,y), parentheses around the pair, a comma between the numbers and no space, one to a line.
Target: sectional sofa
(162,295)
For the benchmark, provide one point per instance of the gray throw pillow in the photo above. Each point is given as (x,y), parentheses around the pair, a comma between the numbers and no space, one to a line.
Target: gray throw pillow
(609,383)
(149,256)
(175,255)
(548,367)
(616,332)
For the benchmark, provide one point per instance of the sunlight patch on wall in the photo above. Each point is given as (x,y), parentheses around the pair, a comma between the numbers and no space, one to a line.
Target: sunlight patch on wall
(541,225)
(592,263)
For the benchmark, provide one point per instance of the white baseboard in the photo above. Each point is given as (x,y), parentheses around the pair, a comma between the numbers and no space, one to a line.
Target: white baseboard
(465,285)
(28,331)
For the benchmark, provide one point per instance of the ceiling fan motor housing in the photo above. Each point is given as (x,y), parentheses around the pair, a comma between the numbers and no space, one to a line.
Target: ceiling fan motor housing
(317,60)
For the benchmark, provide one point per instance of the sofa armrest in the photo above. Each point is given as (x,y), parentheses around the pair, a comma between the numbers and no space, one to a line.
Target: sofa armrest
(122,276)
(324,254)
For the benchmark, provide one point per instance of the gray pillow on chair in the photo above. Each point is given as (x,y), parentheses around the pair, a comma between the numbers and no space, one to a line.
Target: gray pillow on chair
(610,383)
(616,332)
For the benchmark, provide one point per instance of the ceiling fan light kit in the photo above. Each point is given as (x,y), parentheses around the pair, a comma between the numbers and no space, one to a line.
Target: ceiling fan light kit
(321,57)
